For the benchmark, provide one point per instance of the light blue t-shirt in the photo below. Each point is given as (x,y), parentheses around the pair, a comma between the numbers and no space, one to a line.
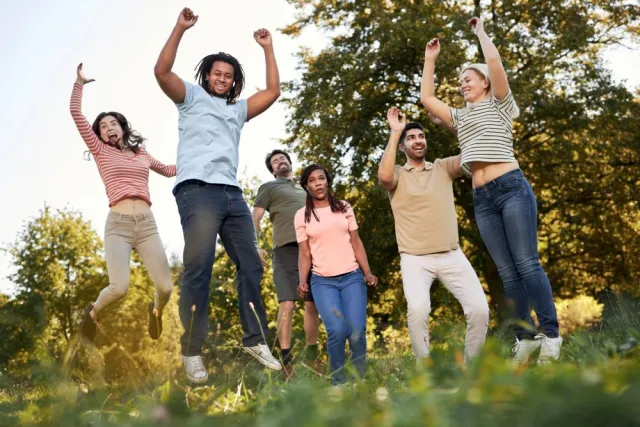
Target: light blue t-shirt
(209,130)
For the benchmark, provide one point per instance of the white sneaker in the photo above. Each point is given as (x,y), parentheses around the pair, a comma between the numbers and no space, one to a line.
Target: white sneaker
(549,349)
(524,348)
(264,356)
(196,372)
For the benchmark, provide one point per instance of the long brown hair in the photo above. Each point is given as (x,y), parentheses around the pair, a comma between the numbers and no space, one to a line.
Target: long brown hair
(336,205)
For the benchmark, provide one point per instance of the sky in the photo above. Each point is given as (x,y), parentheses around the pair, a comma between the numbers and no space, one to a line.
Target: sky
(118,41)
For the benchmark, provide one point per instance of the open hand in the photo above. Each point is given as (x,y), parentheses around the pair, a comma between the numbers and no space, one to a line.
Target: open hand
(303,289)
(371,280)
(263,37)
(81,79)
(396,123)
(476,25)
(187,19)
(432,50)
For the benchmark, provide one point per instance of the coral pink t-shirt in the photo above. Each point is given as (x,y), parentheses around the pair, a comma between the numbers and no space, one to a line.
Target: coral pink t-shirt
(329,240)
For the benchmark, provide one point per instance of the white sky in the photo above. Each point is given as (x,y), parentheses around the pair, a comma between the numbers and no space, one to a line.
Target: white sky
(119,41)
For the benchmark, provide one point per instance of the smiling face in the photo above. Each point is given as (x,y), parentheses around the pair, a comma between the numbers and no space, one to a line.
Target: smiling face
(110,130)
(414,144)
(318,185)
(280,165)
(473,86)
(220,78)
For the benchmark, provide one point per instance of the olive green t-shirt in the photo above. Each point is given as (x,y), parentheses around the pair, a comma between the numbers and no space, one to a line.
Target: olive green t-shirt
(282,198)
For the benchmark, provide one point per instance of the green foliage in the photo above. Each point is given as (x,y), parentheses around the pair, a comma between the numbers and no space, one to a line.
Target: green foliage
(576,139)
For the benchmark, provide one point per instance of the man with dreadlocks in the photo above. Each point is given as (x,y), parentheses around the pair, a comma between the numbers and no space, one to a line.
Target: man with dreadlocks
(209,198)
(421,196)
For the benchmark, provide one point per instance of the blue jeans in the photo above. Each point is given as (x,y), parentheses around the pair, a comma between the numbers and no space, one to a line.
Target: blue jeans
(342,304)
(207,210)
(506,214)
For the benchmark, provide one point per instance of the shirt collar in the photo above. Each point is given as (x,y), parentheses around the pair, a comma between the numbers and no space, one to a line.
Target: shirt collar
(427,166)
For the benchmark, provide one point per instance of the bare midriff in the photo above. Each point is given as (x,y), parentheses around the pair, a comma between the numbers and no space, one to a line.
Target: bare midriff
(131,206)
(483,172)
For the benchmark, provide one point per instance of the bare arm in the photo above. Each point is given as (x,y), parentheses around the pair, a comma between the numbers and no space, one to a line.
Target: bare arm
(257,215)
(497,75)
(361,258)
(427,88)
(259,102)
(387,174)
(304,267)
(75,107)
(169,82)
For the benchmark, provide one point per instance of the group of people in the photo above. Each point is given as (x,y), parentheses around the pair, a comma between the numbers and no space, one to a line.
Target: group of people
(318,255)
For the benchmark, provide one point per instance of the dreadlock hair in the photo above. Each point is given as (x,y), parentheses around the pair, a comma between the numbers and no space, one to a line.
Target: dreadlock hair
(130,138)
(336,205)
(204,68)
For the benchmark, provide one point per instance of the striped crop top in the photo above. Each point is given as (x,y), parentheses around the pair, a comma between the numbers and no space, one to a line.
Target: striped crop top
(123,176)
(485,131)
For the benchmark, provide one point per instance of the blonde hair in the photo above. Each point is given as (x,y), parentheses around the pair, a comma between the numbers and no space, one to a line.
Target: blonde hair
(483,69)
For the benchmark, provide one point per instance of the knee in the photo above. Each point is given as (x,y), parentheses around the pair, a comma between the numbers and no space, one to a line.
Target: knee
(310,309)
(528,267)
(287,307)
(508,274)
(337,332)
(118,290)
(418,312)
(165,289)
(478,314)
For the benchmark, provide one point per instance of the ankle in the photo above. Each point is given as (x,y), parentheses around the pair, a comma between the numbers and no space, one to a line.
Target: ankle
(285,353)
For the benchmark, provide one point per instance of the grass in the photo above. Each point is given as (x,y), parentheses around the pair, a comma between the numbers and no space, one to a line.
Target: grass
(596,383)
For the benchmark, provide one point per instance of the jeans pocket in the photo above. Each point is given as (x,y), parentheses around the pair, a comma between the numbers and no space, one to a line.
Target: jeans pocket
(512,184)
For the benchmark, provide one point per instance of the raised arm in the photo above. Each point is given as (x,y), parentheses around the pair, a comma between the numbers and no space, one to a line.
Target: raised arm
(427,88)
(497,75)
(162,169)
(257,215)
(387,174)
(75,106)
(361,257)
(169,82)
(259,102)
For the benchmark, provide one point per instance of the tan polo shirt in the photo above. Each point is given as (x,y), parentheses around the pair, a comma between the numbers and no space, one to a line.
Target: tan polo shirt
(422,205)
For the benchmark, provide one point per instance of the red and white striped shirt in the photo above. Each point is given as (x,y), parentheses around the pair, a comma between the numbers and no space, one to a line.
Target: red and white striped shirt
(123,176)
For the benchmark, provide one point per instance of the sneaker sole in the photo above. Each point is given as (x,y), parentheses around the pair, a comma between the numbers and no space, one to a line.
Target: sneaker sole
(260,359)
(197,380)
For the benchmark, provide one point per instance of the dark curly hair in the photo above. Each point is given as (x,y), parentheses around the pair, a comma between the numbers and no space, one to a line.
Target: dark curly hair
(336,205)
(204,68)
(130,138)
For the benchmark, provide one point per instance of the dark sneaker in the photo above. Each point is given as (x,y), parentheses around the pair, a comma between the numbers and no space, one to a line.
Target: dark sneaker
(155,322)
(88,327)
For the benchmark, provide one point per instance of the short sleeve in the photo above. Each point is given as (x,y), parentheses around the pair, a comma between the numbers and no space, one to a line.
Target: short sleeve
(351,218)
(301,227)
(189,91)
(242,110)
(507,107)
(263,199)
(454,117)
(449,164)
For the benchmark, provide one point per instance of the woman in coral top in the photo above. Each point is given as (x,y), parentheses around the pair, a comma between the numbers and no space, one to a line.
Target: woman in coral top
(124,166)
(327,234)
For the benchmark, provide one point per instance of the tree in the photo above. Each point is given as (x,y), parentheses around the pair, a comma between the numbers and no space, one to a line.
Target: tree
(576,139)
(58,271)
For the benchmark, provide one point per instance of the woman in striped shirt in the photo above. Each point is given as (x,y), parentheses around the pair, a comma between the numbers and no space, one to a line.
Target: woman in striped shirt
(504,203)
(124,166)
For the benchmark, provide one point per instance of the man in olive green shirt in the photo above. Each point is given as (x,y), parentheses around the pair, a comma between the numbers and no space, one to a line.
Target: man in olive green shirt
(282,198)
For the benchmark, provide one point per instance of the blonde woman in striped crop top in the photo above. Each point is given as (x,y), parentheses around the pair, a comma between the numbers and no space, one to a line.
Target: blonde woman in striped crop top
(504,203)
(123,164)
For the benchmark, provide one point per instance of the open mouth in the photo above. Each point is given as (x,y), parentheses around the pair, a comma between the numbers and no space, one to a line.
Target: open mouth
(112,136)
(220,87)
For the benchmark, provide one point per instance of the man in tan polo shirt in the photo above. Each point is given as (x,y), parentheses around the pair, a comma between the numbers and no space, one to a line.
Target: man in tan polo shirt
(421,196)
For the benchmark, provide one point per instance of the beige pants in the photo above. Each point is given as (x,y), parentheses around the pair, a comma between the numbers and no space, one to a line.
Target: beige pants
(455,272)
(122,234)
